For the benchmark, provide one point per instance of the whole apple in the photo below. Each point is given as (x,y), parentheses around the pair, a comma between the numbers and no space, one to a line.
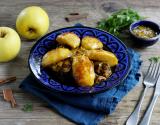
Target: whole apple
(32,22)
(10,44)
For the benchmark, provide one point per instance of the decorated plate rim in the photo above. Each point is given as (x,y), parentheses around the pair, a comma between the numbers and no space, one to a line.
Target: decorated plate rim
(73,92)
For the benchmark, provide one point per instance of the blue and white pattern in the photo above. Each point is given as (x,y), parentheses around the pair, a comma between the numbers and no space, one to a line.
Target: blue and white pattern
(47,43)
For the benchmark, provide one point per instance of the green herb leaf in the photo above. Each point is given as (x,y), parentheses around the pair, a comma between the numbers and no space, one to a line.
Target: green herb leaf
(119,21)
(154,59)
(28,107)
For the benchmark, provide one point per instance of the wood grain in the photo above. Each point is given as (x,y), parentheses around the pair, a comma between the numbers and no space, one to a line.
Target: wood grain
(57,10)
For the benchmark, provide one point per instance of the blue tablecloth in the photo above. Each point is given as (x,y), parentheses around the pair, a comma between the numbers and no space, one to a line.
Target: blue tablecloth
(86,109)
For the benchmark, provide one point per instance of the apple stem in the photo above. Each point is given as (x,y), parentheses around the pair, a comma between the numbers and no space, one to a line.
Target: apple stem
(2,34)
(31,30)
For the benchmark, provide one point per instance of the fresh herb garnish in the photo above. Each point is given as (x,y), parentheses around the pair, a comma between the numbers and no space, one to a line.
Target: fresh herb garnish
(119,21)
(28,107)
(154,59)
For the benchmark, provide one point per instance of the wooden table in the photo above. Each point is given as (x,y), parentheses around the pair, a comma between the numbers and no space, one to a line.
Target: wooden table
(57,10)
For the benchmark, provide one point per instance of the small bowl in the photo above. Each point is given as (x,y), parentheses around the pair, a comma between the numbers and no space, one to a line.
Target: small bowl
(142,41)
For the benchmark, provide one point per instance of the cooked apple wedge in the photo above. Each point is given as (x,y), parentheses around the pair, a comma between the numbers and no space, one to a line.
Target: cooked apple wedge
(103,56)
(55,56)
(69,38)
(83,71)
(89,42)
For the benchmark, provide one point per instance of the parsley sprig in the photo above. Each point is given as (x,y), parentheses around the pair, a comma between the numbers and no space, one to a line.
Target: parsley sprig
(28,107)
(119,21)
(154,59)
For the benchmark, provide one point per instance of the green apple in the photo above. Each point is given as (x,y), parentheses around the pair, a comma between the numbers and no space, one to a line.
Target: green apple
(10,44)
(32,22)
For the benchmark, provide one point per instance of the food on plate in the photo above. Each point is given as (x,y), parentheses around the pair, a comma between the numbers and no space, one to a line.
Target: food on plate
(84,60)
(70,39)
(144,32)
(32,22)
(99,79)
(79,51)
(83,71)
(102,69)
(55,55)
(89,42)
(104,56)
(62,66)
(10,44)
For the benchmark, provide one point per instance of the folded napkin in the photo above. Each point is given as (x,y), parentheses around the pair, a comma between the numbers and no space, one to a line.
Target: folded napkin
(86,109)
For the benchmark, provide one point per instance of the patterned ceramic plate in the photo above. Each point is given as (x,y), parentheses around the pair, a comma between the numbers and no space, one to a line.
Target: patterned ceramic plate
(51,81)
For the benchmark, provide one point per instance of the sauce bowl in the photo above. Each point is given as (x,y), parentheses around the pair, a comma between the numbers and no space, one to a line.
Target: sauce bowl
(139,41)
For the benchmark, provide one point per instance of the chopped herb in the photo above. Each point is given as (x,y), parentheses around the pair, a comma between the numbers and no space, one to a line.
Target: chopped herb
(28,107)
(154,59)
(118,21)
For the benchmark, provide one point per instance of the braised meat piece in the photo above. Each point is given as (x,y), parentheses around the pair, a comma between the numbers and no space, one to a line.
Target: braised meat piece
(62,66)
(102,69)
(99,79)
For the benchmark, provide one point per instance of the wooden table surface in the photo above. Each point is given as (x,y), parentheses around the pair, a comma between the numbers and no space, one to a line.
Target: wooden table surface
(57,10)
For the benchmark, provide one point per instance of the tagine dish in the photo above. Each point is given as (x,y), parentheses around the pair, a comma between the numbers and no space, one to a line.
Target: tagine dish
(79,60)
(84,59)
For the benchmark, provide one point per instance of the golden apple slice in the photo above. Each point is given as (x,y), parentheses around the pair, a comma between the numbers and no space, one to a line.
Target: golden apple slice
(83,71)
(103,56)
(55,56)
(89,42)
(69,38)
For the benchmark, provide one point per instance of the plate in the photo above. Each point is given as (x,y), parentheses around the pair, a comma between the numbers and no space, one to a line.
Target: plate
(47,43)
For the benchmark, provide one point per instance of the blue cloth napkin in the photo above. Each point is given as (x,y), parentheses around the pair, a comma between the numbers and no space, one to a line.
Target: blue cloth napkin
(86,109)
